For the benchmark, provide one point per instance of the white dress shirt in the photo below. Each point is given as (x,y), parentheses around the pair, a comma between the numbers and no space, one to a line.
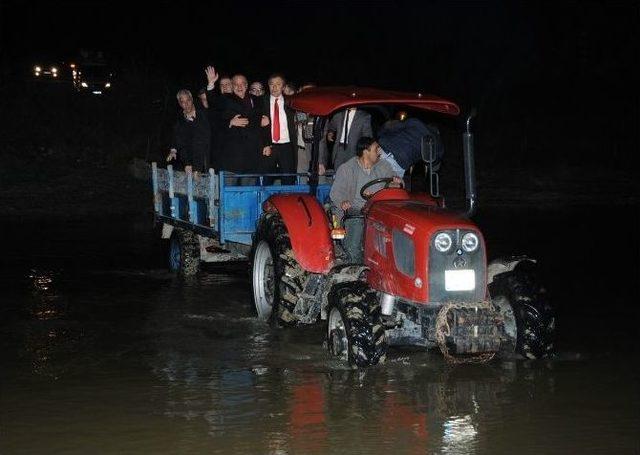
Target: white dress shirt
(352,113)
(284,128)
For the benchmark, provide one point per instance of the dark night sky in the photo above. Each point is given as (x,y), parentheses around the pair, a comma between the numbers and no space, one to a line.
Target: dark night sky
(404,44)
(522,58)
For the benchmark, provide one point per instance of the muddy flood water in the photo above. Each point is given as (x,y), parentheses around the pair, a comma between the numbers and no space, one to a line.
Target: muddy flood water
(102,351)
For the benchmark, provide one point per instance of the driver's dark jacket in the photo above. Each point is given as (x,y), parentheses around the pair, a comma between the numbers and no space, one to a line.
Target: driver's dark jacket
(345,185)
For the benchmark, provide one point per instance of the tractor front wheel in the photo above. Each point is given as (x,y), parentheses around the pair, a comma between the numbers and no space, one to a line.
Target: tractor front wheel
(534,316)
(355,332)
(277,276)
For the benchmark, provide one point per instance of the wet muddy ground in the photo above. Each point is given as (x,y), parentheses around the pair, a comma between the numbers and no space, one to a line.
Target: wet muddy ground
(103,351)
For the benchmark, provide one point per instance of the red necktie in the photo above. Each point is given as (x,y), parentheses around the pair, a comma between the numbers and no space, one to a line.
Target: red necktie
(276,121)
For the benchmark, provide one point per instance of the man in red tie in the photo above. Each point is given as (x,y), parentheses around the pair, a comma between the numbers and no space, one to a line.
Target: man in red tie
(281,155)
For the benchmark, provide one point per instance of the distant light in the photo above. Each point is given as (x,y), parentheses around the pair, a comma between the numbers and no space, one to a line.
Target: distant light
(97,92)
(73,65)
(107,85)
(75,73)
(38,69)
(54,69)
(85,85)
(37,73)
(55,75)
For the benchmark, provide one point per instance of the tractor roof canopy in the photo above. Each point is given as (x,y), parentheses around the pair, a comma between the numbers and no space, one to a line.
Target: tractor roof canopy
(325,100)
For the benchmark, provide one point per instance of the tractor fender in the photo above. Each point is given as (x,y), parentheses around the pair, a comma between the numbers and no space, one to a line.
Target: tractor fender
(308,228)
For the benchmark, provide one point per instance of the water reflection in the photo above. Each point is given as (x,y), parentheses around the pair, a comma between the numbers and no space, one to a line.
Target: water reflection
(50,340)
(46,303)
(257,379)
(153,364)
(459,436)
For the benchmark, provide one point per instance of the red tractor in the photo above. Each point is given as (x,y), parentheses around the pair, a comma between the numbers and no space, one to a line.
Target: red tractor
(423,278)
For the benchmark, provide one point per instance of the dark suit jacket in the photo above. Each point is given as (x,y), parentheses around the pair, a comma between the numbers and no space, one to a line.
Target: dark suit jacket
(360,127)
(240,147)
(217,128)
(191,140)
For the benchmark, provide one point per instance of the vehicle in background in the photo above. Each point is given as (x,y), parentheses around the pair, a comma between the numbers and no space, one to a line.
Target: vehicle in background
(49,71)
(94,78)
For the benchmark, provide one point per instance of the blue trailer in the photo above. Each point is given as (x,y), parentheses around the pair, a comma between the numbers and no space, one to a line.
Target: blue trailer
(211,217)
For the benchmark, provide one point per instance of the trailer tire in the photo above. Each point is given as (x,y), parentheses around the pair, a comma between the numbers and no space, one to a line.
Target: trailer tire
(355,332)
(272,258)
(184,252)
(534,316)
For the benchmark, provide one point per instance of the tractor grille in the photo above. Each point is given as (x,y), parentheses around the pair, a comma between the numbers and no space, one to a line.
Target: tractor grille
(456,259)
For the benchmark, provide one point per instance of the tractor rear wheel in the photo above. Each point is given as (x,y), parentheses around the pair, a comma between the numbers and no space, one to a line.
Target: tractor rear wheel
(277,276)
(355,331)
(184,252)
(535,320)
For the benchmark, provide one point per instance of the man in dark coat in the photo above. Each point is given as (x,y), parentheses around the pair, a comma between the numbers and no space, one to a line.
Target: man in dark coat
(218,130)
(190,146)
(239,119)
(281,134)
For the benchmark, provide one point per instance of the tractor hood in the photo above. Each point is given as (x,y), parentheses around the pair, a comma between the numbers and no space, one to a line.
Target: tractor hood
(414,215)
(405,261)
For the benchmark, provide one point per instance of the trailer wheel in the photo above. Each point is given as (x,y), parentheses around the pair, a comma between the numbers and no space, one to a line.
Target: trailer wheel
(355,332)
(277,276)
(184,252)
(535,320)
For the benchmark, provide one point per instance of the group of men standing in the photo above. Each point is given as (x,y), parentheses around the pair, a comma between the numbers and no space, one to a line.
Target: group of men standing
(237,131)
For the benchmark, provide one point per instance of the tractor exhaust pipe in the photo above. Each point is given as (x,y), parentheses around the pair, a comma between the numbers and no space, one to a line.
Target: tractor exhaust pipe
(469,166)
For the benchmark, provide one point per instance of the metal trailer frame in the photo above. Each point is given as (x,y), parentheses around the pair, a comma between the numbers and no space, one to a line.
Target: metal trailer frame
(216,206)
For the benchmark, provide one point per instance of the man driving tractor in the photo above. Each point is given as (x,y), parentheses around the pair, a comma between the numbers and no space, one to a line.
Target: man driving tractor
(347,195)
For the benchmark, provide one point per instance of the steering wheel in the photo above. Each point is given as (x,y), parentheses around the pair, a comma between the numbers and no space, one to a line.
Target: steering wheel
(385,180)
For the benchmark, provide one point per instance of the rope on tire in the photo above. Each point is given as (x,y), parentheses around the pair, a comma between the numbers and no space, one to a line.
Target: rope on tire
(443,330)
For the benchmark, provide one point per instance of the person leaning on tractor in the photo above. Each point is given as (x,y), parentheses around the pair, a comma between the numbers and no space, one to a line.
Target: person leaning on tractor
(401,142)
(354,173)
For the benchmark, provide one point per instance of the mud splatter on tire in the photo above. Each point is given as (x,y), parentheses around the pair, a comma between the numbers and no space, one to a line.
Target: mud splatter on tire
(360,311)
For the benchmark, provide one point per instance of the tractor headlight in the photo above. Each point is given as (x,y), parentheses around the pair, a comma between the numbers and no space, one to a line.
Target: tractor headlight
(470,242)
(85,85)
(54,69)
(37,69)
(443,242)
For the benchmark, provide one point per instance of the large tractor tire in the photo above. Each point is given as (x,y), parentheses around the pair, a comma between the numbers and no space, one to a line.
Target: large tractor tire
(277,276)
(355,331)
(518,282)
(184,252)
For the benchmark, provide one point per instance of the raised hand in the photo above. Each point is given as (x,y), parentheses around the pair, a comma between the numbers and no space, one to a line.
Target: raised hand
(212,76)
